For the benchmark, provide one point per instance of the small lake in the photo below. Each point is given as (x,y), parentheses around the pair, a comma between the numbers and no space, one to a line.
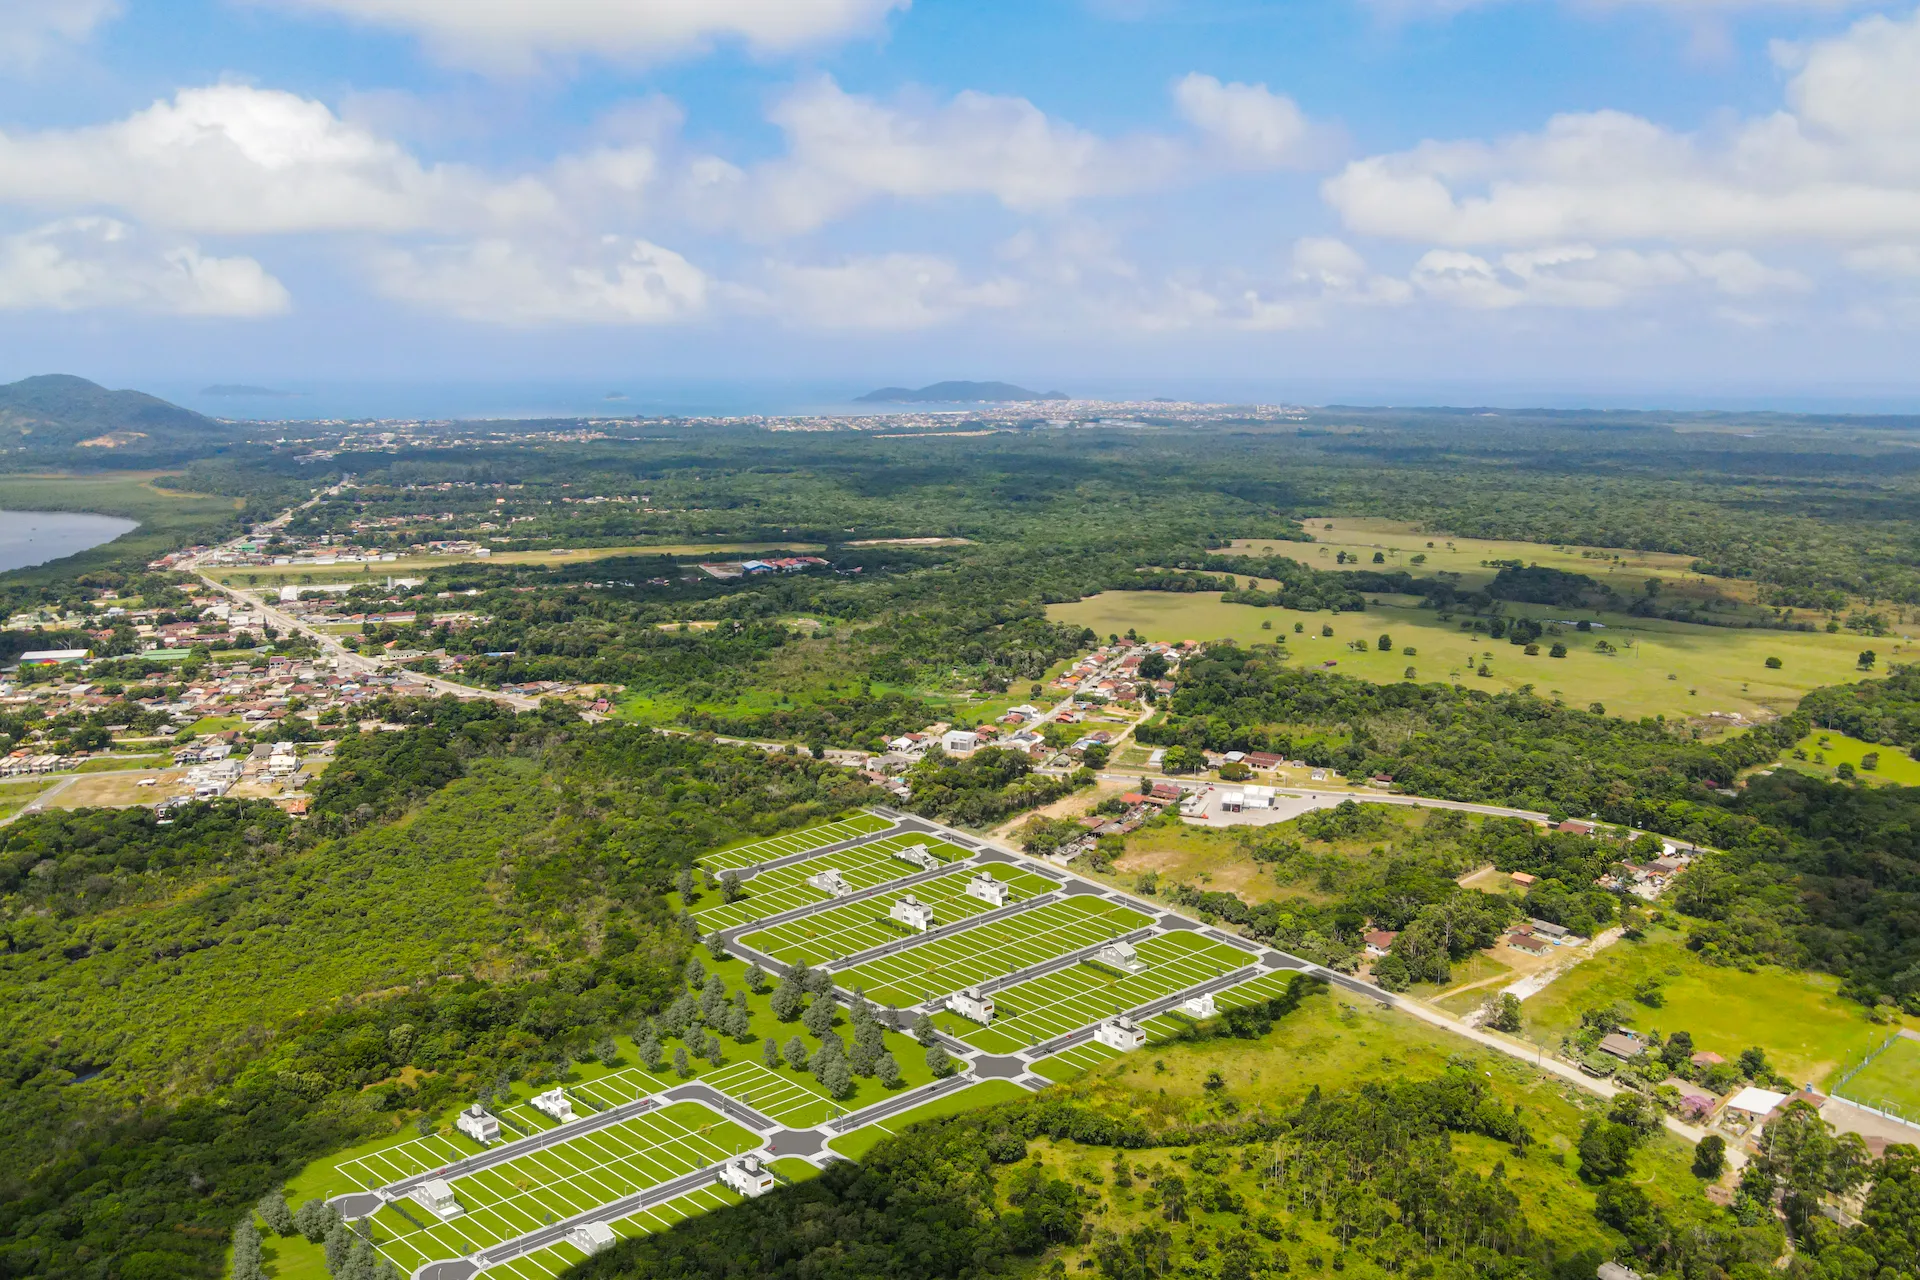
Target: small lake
(34,537)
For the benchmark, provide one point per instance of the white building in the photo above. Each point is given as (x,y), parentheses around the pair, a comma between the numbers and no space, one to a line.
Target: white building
(1753,1105)
(1201,1006)
(913,913)
(747,1175)
(478,1125)
(830,882)
(1120,955)
(987,889)
(919,855)
(1120,1032)
(436,1197)
(958,742)
(554,1102)
(972,1003)
(591,1237)
(1232,801)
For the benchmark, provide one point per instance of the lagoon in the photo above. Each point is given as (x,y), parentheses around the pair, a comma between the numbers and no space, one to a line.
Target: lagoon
(34,537)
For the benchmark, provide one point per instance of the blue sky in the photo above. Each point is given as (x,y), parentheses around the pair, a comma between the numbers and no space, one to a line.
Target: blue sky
(1618,200)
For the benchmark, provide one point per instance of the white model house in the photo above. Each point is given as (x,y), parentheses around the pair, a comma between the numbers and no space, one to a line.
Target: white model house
(436,1197)
(830,882)
(987,889)
(1201,1006)
(1120,955)
(1120,1032)
(478,1125)
(958,742)
(554,1102)
(913,913)
(919,855)
(972,1003)
(747,1175)
(592,1237)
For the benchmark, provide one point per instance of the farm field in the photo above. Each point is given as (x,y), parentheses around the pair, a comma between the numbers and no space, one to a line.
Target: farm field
(972,1098)
(1807,1030)
(784,888)
(792,842)
(945,965)
(1891,1081)
(844,931)
(1057,1003)
(573,1177)
(1713,668)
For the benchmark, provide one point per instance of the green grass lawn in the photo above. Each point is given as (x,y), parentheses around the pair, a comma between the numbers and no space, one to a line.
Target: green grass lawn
(110,764)
(1891,1081)
(215,724)
(985,1094)
(1713,668)
(1807,1030)
(750,853)
(859,926)
(1828,748)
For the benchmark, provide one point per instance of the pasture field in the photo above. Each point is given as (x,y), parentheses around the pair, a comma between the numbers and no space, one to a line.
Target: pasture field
(1399,542)
(1829,748)
(548,1263)
(944,965)
(1891,1081)
(737,857)
(844,931)
(972,1098)
(546,1186)
(1807,1030)
(1081,995)
(1711,668)
(784,888)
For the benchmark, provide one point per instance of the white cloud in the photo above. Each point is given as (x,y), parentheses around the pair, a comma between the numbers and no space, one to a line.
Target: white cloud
(82,263)
(1581,276)
(1843,165)
(235,159)
(883,292)
(1250,123)
(497,281)
(514,35)
(31,29)
(1685,8)
(1885,260)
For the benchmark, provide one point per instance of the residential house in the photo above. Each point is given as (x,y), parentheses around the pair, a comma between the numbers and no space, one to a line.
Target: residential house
(1522,879)
(747,1175)
(913,913)
(1379,941)
(959,742)
(919,855)
(478,1125)
(554,1102)
(1753,1105)
(830,882)
(984,887)
(972,1003)
(1120,955)
(1120,1032)
(435,1195)
(1620,1044)
(1200,1006)
(591,1237)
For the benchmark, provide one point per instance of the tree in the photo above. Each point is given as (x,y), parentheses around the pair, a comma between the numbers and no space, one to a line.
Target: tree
(923,1029)
(685,885)
(717,946)
(313,1219)
(1386,644)
(650,1051)
(1503,1012)
(788,998)
(338,1245)
(770,1054)
(1773,664)
(835,1075)
(274,1212)
(696,972)
(1557,651)
(1753,1063)
(796,1051)
(886,1071)
(682,1065)
(740,1024)
(819,1017)
(1605,1147)
(1866,659)
(1710,1157)
(756,978)
(246,1250)
(939,1063)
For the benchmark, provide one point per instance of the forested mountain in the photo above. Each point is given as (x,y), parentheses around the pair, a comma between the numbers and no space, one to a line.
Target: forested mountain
(58,418)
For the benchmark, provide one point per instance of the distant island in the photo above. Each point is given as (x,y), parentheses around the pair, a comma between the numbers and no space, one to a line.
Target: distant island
(243,389)
(957,392)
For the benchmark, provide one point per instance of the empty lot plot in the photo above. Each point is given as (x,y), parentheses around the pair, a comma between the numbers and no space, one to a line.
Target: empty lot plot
(1056,1003)
(786,1097)
(844,931)
(784,888)
(942,966)
(544,1264)
(783,846)
(543,1187)
(1069,1063)
(378,1168)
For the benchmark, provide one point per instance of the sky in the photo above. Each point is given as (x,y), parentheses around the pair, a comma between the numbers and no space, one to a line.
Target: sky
(1499,201)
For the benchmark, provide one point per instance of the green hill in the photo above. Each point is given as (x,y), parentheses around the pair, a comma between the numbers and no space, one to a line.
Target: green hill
(58,417)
